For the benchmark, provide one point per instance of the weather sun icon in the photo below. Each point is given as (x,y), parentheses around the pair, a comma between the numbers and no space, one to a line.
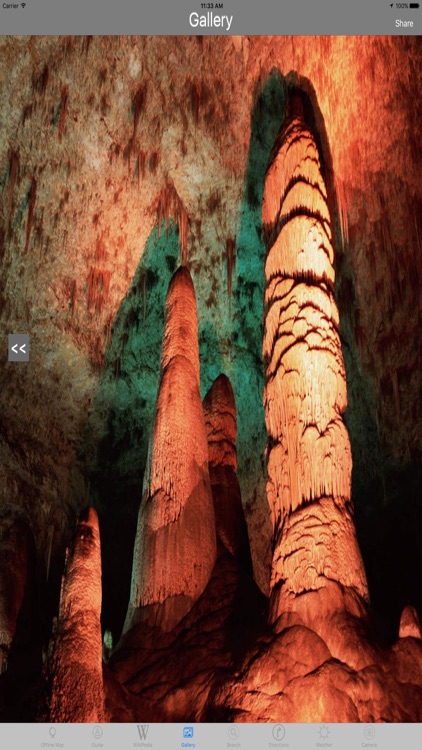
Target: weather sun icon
(324,732)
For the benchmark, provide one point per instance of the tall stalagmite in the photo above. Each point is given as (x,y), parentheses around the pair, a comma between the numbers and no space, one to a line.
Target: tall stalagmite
(175,545)
(308,450)
(220,423)
(75,664)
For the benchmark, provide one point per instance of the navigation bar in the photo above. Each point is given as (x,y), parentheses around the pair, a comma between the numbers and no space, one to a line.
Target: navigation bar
(190,17)
(219,736)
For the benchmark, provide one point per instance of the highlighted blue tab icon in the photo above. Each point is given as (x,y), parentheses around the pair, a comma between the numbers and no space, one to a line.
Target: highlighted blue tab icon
(187,732)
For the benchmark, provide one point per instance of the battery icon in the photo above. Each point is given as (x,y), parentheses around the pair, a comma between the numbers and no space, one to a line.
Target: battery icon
(414,5)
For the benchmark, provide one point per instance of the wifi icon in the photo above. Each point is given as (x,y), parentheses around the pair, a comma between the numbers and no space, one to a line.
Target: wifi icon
(23,5)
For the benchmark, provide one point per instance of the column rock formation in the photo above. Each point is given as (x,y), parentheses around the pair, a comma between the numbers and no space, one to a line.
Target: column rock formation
(220,424)
(175,545)
(75,663)
(308,451)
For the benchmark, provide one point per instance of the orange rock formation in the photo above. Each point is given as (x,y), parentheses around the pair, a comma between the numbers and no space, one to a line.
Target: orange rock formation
(308,452)
(409,624)
(320,662)
(175,546)
(220,423)
(75,663)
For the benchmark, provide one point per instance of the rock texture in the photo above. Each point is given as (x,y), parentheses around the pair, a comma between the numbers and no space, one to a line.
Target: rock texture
(74,668)
(175,545)
(274,684)
(14,564)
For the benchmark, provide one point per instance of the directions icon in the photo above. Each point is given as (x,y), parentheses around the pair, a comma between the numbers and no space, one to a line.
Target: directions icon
(278,732)
(18,347)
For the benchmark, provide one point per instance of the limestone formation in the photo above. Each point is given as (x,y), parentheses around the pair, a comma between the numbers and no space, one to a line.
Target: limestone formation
(175,545)
(75,664)
(220,423)
(181,668)
(118,154)
(308,452)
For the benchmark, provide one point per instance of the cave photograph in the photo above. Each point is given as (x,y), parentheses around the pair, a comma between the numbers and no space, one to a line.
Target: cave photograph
(211,379)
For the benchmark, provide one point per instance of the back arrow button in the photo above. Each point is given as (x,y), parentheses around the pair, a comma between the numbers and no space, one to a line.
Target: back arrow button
(18,347)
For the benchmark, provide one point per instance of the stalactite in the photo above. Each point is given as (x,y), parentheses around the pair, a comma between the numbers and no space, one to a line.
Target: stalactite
(14,168)
(86,44)
(153,161)
(74,667)
(40,229)
(308,453)
(31,206)
(138,106)
(230,262)
(195,98)
(143,279)
(98,288)
(39,82)
(100,250)
(342,212)
(63,111)
(175,545)
(170,206)
(142,163)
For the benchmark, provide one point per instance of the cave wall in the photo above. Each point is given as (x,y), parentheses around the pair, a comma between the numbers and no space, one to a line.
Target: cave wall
(121,156)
